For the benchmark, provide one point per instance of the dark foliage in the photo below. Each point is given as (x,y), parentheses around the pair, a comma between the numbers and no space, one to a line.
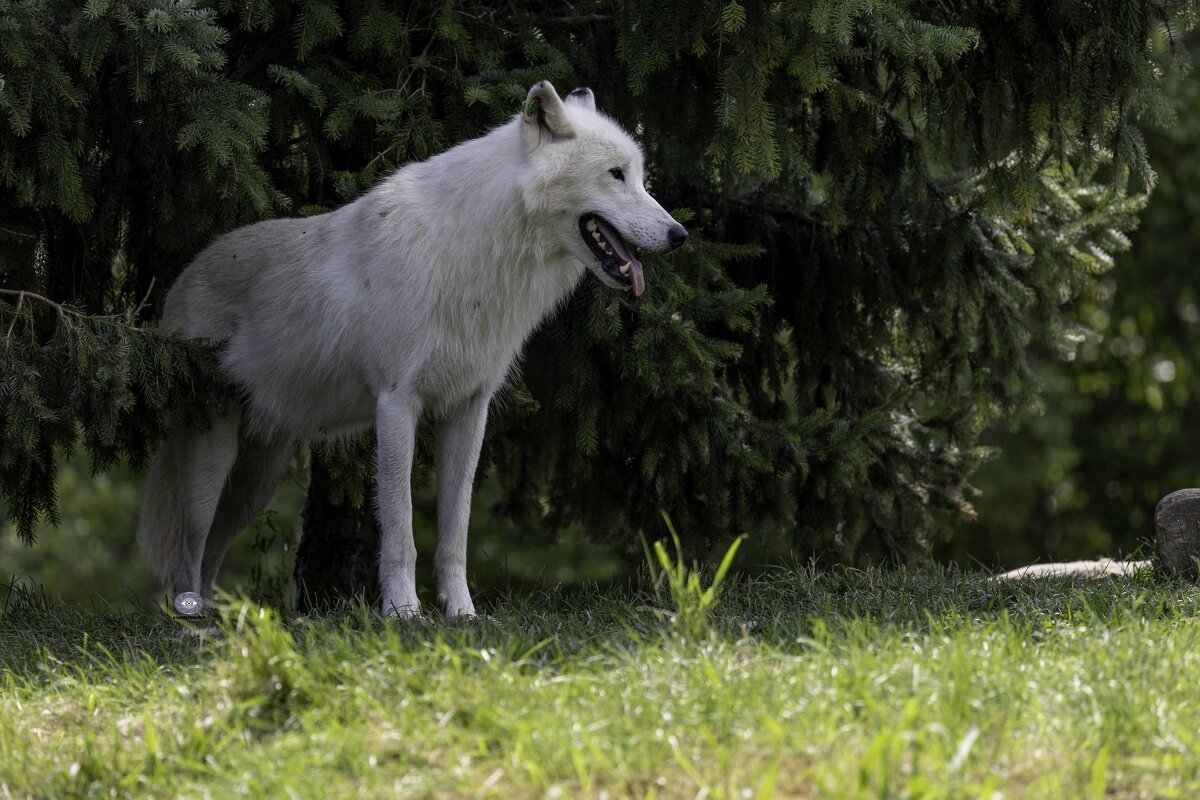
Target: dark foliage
(894,201)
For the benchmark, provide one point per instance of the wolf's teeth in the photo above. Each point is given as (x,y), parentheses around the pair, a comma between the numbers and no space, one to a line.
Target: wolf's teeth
(591,225)
(625,268)
(596,235)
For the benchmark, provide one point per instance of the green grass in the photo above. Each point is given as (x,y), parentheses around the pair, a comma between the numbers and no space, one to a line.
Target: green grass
(841,684)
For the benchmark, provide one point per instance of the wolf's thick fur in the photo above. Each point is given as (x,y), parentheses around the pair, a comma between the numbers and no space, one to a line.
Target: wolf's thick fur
(413,299)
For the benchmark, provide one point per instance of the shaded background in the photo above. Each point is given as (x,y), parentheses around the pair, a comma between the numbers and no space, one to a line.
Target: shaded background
(1076,477)
(1119,426)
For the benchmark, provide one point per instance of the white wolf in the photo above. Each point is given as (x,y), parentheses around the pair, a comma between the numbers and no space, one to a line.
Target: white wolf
(413,299)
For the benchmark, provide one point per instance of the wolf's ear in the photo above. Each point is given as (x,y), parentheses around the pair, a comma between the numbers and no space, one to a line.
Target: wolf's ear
(544,117)
(582,96)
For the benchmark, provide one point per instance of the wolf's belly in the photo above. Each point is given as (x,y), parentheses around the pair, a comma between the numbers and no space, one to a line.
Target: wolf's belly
(306,378)
(325,410)
(300,392)
(305,400)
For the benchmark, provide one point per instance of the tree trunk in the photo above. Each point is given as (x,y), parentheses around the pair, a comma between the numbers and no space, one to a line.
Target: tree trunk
(338,556)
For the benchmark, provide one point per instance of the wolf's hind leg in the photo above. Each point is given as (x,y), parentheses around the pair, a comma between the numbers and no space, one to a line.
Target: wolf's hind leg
(251,483)
(204,461)
(459,438)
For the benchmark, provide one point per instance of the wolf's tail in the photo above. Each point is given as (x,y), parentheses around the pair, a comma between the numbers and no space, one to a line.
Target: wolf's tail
(160,526)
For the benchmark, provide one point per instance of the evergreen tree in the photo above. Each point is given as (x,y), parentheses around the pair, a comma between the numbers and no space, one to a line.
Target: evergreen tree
(894,201)
(1118,427)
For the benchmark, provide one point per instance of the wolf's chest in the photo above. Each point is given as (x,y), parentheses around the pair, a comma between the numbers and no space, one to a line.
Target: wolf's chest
(481,328)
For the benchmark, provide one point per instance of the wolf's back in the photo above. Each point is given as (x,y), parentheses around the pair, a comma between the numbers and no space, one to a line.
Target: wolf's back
(219,286)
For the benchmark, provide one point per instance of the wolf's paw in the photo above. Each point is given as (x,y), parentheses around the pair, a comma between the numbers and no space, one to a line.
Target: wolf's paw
(456,604)
(402,609)
(460,614)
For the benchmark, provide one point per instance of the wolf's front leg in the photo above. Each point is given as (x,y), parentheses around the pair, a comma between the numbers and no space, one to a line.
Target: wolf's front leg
(459,438)
(396,415)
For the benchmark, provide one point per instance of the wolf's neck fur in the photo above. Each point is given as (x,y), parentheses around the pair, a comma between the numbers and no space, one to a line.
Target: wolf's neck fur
(475,246)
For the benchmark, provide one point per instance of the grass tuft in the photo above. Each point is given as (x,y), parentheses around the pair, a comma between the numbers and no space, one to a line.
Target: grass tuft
(693,600)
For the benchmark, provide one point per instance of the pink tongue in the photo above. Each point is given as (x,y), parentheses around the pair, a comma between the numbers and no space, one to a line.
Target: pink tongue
(618,247)
(639,283)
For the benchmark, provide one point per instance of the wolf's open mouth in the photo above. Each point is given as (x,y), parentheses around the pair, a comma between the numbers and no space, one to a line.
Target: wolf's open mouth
(615,256)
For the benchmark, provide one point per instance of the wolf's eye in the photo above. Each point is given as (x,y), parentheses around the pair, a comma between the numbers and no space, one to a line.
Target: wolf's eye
(618,173)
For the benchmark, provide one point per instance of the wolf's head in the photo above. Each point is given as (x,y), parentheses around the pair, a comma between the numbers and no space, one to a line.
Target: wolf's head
(587,175)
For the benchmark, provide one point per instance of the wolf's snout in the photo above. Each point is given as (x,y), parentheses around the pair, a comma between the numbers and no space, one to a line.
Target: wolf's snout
(677,234)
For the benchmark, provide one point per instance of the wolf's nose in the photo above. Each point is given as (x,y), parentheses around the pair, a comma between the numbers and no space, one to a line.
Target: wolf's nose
(677,234)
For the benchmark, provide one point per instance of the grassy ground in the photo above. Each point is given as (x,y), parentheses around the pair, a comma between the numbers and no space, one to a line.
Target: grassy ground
(843,684)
